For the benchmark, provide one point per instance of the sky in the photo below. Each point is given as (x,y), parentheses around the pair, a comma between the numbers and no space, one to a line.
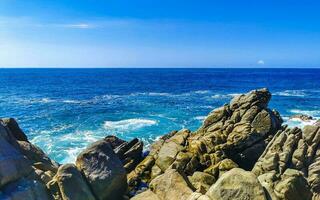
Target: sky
(159,33)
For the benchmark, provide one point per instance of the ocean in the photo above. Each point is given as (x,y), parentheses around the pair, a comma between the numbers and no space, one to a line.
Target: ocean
(64,110)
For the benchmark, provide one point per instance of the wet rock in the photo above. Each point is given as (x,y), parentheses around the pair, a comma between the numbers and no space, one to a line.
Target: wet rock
(103,171)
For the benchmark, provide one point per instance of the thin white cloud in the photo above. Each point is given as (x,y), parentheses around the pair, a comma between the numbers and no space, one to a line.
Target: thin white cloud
(77,26)
(260,62)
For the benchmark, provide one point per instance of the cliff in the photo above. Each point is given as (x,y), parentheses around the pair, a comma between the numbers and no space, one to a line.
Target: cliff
(242,151)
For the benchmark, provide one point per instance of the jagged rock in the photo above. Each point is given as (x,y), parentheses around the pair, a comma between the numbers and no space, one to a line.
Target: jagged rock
(103,170)
(72,185)
(237,184)
(15,129)
(234,135)
(130,153)
(289,167)
(171,185)
(293,186)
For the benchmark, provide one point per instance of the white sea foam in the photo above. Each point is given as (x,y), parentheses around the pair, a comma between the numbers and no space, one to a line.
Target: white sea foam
(296,122)
(72,154)
(202,91)
(200,118)
(225,96)
(313,113)
(128,124)
(292,93)
(71,101)
(159,94)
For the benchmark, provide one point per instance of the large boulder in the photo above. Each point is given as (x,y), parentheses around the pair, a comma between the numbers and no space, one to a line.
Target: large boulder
(171,185)
(237,184)
(72,185)
(103,171)
(13,164)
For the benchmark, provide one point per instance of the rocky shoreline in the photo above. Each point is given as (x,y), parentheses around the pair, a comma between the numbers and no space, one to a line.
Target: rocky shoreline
(242,151)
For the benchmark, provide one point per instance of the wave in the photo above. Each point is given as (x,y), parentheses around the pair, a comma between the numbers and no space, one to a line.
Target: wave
(291,93)
(200,118)
(225,96)
(158,94)
(202,91)
(128,124)
(296,122)
(313,113)
(71,101)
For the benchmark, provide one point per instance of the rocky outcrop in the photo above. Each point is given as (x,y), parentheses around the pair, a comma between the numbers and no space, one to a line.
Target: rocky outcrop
(234,135)
(289,167)
(22,174)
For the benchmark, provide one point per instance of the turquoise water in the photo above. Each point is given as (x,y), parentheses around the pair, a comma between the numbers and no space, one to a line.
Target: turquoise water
(63,110)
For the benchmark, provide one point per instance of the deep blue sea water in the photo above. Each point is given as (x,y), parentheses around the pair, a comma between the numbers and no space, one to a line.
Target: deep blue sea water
(63,110)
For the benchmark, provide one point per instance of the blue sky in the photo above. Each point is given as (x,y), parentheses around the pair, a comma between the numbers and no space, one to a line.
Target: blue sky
(152,33)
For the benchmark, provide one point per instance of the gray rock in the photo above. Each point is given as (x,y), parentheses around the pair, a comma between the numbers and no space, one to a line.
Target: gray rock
(71,184)
(103,171)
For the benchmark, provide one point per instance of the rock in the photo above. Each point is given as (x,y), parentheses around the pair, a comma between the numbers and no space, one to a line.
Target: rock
(301,117)
(71,184)
(39,159)
(147,195)
(201,181)
(234,135)
(24,189)
(171,185)
(293,186)
(13,165)
(237,184)
(103,171)
(130,153)
(167,155)
(15,129)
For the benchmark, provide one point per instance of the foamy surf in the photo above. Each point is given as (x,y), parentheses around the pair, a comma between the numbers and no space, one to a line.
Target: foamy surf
(128,124)
(296,122)
(291,93)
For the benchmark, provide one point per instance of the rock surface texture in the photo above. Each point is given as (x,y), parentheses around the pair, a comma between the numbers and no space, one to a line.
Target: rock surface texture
(241,152)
